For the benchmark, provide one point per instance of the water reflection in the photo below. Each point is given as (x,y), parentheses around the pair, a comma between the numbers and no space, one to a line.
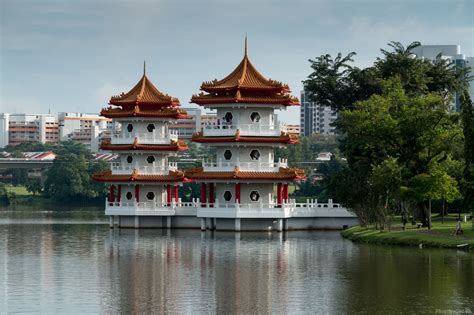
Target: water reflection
(66,268)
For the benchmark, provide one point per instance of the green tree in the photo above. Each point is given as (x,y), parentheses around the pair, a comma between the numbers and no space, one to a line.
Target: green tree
(34,186)
(69,178)
(467,117)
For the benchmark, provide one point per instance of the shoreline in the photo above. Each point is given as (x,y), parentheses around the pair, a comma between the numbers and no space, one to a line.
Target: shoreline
(438,237)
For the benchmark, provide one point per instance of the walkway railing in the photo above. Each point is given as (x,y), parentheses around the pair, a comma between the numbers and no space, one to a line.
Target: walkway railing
(155,137)
(121,169)
(289,208)
(255,129)
(221,165)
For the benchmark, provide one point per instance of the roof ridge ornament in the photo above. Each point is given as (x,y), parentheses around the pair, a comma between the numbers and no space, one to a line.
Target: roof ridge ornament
(245,45)
(144,67)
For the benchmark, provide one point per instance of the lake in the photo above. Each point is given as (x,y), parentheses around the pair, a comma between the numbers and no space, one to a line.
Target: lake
(71,262)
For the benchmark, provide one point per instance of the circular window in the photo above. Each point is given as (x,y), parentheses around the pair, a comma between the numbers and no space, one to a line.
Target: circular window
(150,195)
(254,195)
(255,155)
(228,117)
(227,154)
(227,195)
(129,195)
(129,127)
(150,159)
(255,117)
(150,127)
(129,159)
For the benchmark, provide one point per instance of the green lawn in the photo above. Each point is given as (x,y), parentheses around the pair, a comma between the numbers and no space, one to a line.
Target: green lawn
(19,190)
(439,236)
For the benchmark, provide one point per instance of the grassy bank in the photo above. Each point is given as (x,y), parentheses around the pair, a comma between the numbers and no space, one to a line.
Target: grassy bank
(439,236)
(21,199)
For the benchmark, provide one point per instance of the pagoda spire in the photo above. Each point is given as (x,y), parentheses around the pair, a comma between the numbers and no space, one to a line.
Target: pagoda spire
(144,67)
(245,46)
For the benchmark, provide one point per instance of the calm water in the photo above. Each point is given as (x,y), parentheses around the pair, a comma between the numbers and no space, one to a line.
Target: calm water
(73,263)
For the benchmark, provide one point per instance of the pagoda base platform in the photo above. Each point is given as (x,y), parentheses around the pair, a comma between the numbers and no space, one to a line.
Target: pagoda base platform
(227,224)
(230,217)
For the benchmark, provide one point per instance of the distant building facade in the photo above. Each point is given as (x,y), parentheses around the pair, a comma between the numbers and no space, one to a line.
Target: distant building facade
(27,128)
(451,52)
(88,129)
(194,123)
(315,118)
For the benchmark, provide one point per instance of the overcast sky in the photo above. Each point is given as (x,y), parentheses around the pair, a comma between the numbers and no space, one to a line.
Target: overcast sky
(73,55)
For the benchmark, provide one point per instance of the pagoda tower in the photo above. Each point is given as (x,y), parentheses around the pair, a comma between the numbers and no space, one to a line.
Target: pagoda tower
(142,181)
(239,182)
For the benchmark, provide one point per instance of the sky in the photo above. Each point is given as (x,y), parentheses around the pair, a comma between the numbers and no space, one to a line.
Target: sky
(74,55)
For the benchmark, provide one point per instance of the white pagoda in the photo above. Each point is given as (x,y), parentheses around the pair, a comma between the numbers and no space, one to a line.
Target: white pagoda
(243,184)
(142,181)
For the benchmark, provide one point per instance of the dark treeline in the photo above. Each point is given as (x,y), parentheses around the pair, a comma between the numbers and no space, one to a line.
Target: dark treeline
(67,180)
(406,149)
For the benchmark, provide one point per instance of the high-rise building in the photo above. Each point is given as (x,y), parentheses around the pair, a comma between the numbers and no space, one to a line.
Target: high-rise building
(194,122)
(27,128)
(451,52)
(84,128)
(315,118)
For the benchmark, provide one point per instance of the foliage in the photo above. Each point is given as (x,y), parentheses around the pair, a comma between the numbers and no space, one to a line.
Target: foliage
(34,186)
(467,182)
(402,142)
(336,83)
(69,178)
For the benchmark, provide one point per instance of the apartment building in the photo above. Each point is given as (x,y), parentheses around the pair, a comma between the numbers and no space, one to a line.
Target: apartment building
(315,118)
(27,128)
(194,123)
(451,52)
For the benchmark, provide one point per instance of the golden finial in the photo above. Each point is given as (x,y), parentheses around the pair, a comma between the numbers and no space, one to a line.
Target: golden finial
(245,46)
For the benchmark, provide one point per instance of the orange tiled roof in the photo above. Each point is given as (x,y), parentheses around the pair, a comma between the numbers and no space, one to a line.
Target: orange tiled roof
(286,138)
(145,93)
(282,174)
(106,176)
(140,112)
(245,85)
(173,146)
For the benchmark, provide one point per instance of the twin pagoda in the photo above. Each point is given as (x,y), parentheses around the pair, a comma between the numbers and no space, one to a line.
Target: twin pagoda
(242,187)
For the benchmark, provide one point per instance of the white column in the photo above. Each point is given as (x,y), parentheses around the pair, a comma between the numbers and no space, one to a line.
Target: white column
(137,222)
(237,225)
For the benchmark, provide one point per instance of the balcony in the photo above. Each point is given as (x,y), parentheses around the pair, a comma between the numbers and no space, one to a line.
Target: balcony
(255,129)
(145,138)
(151,208)
(287,209)
(127,169)
(222,166)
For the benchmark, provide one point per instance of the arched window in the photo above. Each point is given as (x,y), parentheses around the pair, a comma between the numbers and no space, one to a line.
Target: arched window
(254,195)
(150,159)
(150,195)
(255,117)
(228,154)
(150,127)
(228,117)
(227,195)
(255,155)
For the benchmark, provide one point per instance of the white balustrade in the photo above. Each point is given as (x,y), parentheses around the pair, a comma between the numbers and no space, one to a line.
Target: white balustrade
(155,137)
(289,208)
(255,129)
(119,168)
(222,165)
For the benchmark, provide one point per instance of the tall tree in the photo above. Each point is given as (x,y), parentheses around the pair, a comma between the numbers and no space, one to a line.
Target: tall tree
(467,117)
